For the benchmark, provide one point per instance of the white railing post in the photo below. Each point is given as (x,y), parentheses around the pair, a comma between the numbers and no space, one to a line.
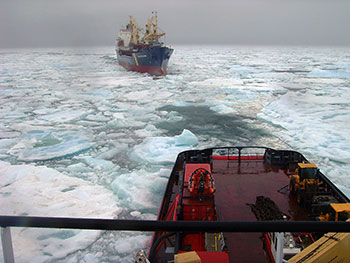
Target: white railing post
(7,248)
(280,244)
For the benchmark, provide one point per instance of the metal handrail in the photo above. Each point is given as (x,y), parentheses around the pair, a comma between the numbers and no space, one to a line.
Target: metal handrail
(161,226)
(173,226)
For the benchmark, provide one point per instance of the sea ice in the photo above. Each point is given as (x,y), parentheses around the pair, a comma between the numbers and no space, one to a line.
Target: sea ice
(90,258)
(313,124)
(223,109)
(98,164)
(114,150)
(149,131)
(61,116)
(319,73)
(41,145)
(163,150)
(129,245)
(140,189)
(41,191)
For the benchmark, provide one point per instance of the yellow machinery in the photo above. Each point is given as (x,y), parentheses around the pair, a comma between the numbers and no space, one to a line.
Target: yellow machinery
(341,209)
(304,183)
(338,212)
(332,247)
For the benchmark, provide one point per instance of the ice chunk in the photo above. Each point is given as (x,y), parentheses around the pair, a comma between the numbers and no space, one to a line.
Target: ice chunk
(79,168)
(97,117)
(42,145)
(148,131)
(123,123)
(5,144)
(223,109)
(319,73)
(111,153)
(61,116)
(148,95)
(164,149)
(174,116)
(90,258)
(98,164)
(135,213)
(129,244)
(140,189)
(44,111)
(216,82)
(186,138)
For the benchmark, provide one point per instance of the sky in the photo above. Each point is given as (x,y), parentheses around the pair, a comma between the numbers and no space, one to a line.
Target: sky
(51,23)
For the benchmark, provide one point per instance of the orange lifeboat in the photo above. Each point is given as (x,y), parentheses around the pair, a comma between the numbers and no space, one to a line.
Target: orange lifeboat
(201,183)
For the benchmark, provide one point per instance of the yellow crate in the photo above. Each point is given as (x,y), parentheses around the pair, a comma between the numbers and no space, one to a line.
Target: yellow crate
(188,257)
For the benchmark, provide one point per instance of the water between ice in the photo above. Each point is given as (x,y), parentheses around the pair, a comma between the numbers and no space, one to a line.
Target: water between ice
(82,137)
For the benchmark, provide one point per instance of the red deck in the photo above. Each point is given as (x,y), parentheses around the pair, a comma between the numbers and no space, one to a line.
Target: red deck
(238,184)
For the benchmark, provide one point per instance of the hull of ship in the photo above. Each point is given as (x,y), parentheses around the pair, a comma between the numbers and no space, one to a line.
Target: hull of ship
(152,60)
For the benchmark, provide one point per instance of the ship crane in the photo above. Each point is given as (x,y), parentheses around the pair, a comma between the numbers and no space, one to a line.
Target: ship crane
(134,30)
(152,34)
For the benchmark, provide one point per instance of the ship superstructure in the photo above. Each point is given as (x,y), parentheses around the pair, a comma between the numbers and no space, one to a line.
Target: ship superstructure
(141,50)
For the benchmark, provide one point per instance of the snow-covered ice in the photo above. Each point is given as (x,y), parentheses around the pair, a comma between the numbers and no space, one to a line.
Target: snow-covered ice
(163,150)
(41,191)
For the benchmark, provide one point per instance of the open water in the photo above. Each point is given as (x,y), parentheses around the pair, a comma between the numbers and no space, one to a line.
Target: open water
(82,137)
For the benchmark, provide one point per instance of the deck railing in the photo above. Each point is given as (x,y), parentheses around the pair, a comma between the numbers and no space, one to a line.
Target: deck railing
(164,226)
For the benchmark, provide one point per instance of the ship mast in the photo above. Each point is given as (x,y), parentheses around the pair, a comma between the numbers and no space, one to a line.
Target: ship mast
(148,29)
(151,32)
(134,31)
(155,25)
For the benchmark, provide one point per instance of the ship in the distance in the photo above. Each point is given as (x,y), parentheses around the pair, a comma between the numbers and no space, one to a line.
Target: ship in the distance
(142,51)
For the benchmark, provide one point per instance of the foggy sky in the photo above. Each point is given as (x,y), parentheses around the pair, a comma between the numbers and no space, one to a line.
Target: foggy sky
(50,23)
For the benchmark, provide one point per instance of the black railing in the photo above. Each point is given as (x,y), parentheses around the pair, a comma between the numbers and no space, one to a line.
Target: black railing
(173,226)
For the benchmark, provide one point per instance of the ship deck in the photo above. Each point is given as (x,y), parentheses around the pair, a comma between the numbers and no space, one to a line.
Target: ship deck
(241,174)
(237,185)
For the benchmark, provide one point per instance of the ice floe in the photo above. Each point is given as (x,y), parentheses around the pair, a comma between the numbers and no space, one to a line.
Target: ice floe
(42,145)
(41,191)
(163,150)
